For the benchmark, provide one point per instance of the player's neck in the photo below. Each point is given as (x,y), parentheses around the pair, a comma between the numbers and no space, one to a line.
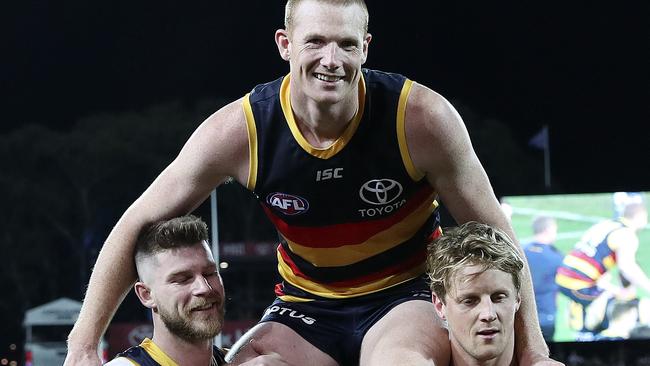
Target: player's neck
(181,351)
(460,358)
(542,238)
(321,124)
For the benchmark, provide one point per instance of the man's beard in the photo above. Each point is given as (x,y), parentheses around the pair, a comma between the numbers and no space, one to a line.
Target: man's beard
(192,330)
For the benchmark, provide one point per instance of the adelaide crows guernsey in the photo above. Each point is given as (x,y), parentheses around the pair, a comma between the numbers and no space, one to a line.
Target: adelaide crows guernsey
(353,218)
(148,353)
(594,255)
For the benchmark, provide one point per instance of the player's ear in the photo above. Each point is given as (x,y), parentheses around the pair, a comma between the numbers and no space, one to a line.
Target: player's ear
(144,294)
(366,44)
(283,43)
(518,302)
(439,306)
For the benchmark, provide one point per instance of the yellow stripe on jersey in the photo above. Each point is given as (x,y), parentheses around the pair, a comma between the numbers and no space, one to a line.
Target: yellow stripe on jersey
(380,242)
(156,353)
(336,146)
(572,283)
(252,143)
(583,266)
(415,174)
(609,261)
(289,298)
(333,292)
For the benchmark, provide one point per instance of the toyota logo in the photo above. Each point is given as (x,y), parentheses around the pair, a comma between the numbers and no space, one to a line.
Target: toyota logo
(380,191)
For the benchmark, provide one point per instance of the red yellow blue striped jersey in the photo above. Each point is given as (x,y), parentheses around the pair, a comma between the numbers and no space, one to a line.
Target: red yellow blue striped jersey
(353,218)
(592,256)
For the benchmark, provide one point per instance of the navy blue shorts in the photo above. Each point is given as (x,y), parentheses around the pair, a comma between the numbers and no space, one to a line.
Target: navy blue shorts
(584,296)
(337,326)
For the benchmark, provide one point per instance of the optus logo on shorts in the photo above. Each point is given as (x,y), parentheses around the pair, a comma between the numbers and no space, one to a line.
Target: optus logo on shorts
(281,310)
(288,204)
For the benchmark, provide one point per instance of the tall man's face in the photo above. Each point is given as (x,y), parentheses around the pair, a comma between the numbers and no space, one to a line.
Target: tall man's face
(325,47)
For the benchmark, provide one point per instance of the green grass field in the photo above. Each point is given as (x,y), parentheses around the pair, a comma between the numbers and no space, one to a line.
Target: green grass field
(574,215)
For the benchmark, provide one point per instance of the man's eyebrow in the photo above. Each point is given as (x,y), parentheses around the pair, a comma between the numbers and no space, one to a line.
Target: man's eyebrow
(344,39)
(180,273)
(187,272)
(210,267)
(312,35)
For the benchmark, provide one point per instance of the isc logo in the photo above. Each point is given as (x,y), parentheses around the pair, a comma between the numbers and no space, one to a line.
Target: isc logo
(288,204)
(330,173)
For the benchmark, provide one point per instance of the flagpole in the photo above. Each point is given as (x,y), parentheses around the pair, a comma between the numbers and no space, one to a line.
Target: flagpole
(547,160)
(541,141)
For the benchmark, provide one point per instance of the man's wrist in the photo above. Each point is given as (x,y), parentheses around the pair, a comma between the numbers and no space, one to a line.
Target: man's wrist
(78,343)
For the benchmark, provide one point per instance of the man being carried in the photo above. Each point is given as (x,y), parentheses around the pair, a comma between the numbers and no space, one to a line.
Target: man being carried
(475,273)
(178,280)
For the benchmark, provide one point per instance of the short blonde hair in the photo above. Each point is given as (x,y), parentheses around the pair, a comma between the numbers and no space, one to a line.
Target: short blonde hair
(292,5)
(469,244)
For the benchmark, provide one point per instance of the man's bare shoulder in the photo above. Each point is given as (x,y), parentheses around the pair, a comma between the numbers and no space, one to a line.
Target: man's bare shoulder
(229,119)
(435,132)
(428,109)
(222,141)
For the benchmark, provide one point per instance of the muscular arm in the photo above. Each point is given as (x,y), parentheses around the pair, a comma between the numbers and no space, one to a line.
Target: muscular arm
(628,244)
(440,147)
(217,149)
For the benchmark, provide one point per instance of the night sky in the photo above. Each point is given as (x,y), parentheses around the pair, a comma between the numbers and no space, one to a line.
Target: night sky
(582,68)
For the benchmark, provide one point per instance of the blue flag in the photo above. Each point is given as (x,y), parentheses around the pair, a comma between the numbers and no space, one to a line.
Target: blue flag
(540,140)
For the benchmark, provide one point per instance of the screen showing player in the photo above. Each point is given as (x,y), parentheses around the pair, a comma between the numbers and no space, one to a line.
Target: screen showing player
(589,256)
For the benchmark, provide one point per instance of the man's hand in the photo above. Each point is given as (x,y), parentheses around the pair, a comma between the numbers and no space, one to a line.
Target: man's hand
(272,359)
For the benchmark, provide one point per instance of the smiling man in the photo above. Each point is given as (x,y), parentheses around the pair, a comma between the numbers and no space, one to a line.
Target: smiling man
(475,278)
(178,280)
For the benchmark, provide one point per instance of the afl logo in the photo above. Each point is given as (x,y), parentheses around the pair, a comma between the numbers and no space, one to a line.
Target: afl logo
(380,191)
(288,204)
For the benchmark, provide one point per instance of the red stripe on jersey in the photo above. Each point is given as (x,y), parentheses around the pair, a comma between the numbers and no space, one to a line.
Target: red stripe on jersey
(279,289)
(334,236)
(294,268)
(435,234)
(573,274)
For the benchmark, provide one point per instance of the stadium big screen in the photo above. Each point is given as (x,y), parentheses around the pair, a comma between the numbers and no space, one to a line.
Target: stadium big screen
(584,222)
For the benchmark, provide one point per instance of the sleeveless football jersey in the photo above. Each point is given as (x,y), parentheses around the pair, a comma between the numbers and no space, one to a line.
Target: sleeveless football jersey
(594,255)
(147,353)
(353,218)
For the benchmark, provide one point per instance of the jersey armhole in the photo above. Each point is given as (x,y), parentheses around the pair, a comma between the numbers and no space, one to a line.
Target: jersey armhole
(252,143)
(413,172)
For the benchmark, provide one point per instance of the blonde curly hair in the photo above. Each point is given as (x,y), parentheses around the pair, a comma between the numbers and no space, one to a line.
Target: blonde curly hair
(469,244)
